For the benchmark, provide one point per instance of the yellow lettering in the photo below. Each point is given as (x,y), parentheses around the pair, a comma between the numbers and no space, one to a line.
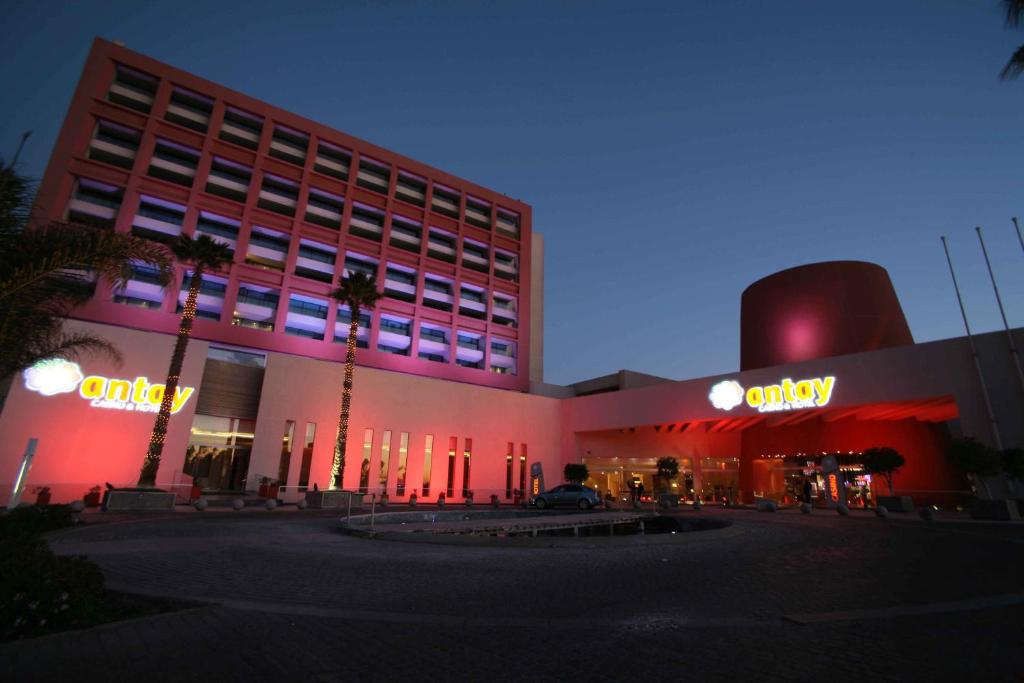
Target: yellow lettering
(787,387)
(181,397)
(119,390)
(139,394)
(804,390)
(823,388)
(755,397)
(155,395)
(773,393)
(93,387)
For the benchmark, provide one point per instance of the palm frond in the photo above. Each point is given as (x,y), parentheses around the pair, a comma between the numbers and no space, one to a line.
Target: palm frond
(57,344)
(1014,12)
(1014,67)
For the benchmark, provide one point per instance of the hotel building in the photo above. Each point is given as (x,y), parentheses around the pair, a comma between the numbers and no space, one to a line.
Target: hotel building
(449,397)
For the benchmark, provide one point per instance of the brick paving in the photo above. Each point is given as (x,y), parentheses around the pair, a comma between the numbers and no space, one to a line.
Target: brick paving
(782,597)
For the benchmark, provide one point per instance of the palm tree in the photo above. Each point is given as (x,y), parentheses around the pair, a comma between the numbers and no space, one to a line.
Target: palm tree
(357,291)
(203,254)
(47,269)
(1014,18)
(668,469)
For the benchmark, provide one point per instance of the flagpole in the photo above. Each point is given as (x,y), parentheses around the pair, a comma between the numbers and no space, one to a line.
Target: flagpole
(974,352)
(1019,237)
(1002,312)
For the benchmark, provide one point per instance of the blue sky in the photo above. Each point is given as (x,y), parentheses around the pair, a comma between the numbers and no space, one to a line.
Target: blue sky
(673,152)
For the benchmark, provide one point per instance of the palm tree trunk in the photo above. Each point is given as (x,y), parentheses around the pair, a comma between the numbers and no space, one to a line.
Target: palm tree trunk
(156,442)
(338,466)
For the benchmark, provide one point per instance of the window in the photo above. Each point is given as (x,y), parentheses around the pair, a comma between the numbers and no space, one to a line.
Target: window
(307,455)
(467,455)
(142,289)
(114,144)
(358,263)
(211,295)
(256,307)
(228,179)
(189,109)
(503,312)
(473,302)
(287,441)
(470,350)
(478,212)
(395,335)
(307,317)
(173,162)
(411,188)
(241,128)
(373,175)
(506,265)
(508,224)
(364,467)
(343,324)
(522,468)
(133,89)
(385,460)
(403,461)
(158,219)
(405,234)
(475,255)
(400,282)
(219,228)
(316,260)
(445,201)
(218,452)
(441,245)
(278,195)
(332,160)
(428,448)
(503,357)
(437,292)
(94,203)
(434,343)
(509,454)
(453,444)
(366,222)
(289,144)
(267,248)
(324,208)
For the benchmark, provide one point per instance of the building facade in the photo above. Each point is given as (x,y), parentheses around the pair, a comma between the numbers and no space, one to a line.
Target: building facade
(151,150)
(448,395)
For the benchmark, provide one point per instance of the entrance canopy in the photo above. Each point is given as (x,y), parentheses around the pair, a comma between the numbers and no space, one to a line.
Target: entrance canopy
(939,409)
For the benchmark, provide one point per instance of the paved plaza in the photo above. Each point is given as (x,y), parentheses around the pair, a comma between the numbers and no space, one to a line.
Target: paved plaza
(282,595)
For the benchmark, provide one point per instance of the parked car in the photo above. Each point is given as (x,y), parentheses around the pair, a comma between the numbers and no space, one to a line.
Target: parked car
(576,495)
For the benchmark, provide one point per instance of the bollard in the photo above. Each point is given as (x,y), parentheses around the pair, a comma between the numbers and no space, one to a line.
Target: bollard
(348,513)
(373,509)
(643,529)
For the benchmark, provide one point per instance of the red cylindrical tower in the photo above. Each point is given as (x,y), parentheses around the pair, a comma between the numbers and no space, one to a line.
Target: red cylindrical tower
(819,310)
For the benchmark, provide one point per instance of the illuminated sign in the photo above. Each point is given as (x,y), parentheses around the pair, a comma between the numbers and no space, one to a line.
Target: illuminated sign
(833,487)
(59,376)
(786,395)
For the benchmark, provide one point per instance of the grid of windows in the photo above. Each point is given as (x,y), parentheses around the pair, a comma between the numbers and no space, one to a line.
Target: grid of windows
(267,181)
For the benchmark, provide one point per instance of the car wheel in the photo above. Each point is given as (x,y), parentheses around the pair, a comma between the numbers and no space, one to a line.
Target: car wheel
(584,504)
(540,503)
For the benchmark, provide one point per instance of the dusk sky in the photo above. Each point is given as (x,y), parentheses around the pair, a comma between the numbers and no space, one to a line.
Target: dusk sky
(673,153)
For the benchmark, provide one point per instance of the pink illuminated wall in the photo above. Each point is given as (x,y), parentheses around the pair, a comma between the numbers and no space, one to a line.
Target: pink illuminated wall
(81,446)
(74,158)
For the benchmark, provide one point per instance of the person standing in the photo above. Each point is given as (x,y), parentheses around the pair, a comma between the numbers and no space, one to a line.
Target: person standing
(807,491)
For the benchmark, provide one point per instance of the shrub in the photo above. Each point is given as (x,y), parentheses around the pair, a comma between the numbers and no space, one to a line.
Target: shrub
(884,461)
(35,519)
(45,592)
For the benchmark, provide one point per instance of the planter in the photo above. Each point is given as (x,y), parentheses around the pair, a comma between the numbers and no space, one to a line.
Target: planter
(91,499)
(495,502)
(440,501)
(469,501)
(384,500)
(269,490)
(412,500)
(1004,510)
(43,498)
(334,499)
(139,500)
(896,503)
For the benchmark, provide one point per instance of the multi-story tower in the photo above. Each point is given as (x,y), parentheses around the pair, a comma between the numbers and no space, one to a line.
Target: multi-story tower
(157,152)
